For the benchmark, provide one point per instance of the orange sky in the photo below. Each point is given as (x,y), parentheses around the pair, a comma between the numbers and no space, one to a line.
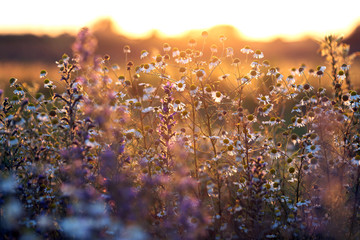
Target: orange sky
(256,19)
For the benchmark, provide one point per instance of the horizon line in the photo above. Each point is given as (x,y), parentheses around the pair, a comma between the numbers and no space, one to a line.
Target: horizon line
(72,30)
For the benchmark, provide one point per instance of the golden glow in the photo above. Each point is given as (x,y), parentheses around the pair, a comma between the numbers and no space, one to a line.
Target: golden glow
(261,19)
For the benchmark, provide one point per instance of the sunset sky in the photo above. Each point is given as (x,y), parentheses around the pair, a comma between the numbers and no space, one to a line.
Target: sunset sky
(259,19)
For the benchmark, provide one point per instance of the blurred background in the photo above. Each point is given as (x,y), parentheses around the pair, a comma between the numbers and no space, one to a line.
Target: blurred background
(34,34)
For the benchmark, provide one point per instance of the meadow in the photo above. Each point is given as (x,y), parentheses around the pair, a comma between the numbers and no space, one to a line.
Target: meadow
(207,141)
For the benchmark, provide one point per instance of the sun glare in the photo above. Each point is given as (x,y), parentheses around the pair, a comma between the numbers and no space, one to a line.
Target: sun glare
(263,20)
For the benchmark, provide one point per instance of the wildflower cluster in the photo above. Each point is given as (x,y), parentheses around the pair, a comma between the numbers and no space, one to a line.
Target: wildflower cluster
(208,142)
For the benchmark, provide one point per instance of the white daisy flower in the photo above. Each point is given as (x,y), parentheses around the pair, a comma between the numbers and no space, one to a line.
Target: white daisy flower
(48,84)
(193,90)
(217,96)
(244,80)
(131,101)
(213,48)
(274,153)
(43,74)
(200,74)
(166,47)
(13,81)
(19,91)
(356,160)
(214,62)
(299,122)
(148,109)
(271,71)
(258,54)
(184,114)
(313,148)
(290,79)
(264,99)
(180,85)
(254,64)
(144,54)
(43,117)
(223,77)
(226,141)
(91,142)
(246,50)
(229,52)
(175,52)
(178,105)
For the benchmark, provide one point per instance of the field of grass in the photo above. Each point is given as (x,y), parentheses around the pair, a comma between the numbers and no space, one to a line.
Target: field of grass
(193,143)
(29,73)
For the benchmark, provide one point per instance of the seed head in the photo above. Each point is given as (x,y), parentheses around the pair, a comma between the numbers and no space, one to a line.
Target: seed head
(192,42)
(182,54)
(250,117)
(106,57)
(199,74)
(236,61)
